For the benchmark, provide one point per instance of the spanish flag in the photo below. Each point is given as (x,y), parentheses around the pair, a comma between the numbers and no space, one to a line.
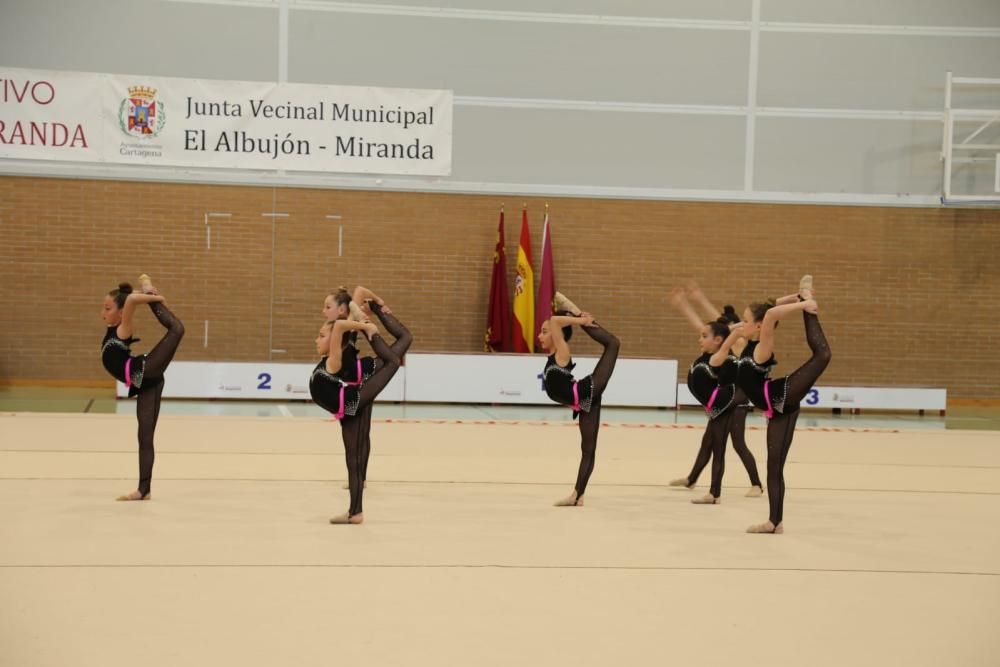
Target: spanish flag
(524,293)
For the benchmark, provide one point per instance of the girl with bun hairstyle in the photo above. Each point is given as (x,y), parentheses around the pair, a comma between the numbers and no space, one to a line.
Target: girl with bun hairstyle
(711,379)
(736,421)
(778,398)
(583,395)
(142,374)
(348,393)
(354,369)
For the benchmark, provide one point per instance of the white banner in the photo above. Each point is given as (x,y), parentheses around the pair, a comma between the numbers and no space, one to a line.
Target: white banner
(193,123)
(50,116)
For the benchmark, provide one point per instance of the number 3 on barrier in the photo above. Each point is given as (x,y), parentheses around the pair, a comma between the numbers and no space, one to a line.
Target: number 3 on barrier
(265,381)
(813,397)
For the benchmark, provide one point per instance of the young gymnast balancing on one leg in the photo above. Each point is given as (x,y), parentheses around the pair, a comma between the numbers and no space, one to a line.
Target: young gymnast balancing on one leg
(142,374)
(583,395)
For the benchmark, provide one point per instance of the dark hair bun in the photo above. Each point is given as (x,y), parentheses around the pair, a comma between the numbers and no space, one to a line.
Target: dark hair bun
(341,297)
(567,330)
(729,315)
(719,328)
(125,288)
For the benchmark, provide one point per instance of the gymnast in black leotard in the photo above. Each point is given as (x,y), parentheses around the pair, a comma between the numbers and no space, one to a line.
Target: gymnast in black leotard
(142,374)
(346,399)
(779,398)
(737,421)
(583,395)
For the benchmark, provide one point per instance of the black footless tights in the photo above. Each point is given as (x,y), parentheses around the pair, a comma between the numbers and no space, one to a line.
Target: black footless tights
(355,443)
(590,422)
(737,431)
(713,446)
(400,346)
(147,407)
(781,428)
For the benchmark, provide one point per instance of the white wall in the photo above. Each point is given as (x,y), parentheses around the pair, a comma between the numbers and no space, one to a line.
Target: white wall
(643,98)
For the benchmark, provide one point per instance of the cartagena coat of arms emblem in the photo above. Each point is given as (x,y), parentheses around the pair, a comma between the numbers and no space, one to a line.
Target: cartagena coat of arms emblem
(141,114)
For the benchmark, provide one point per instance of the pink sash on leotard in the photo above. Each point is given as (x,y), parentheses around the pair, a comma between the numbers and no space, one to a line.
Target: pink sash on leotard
(340,412)
(711,401)
(357,382)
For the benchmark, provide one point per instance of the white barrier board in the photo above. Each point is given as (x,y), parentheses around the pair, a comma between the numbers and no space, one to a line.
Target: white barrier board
(515,378)
(502,378)
(431,378)
(857,398)
(256,380)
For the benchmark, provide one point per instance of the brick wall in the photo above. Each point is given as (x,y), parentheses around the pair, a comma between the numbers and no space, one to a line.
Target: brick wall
(908,296)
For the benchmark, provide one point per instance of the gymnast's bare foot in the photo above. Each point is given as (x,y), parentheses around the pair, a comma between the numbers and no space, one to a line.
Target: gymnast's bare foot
(766,527)
(806,288)
(135,495)
(561,303)
(570,501)
(146,285)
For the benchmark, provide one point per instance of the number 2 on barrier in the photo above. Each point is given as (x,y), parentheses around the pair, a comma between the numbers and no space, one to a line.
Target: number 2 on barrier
(813,397)
(265,381)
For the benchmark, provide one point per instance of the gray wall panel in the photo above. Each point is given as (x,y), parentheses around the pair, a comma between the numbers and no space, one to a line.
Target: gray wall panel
(504,59)
(974,180)
(141,37)
(598,148)
(868,71)
(974,97)
(860,156)
(478,56)
(967,13)
(725,10)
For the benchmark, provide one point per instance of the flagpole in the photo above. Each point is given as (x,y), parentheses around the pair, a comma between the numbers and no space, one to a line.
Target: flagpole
(546,283)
